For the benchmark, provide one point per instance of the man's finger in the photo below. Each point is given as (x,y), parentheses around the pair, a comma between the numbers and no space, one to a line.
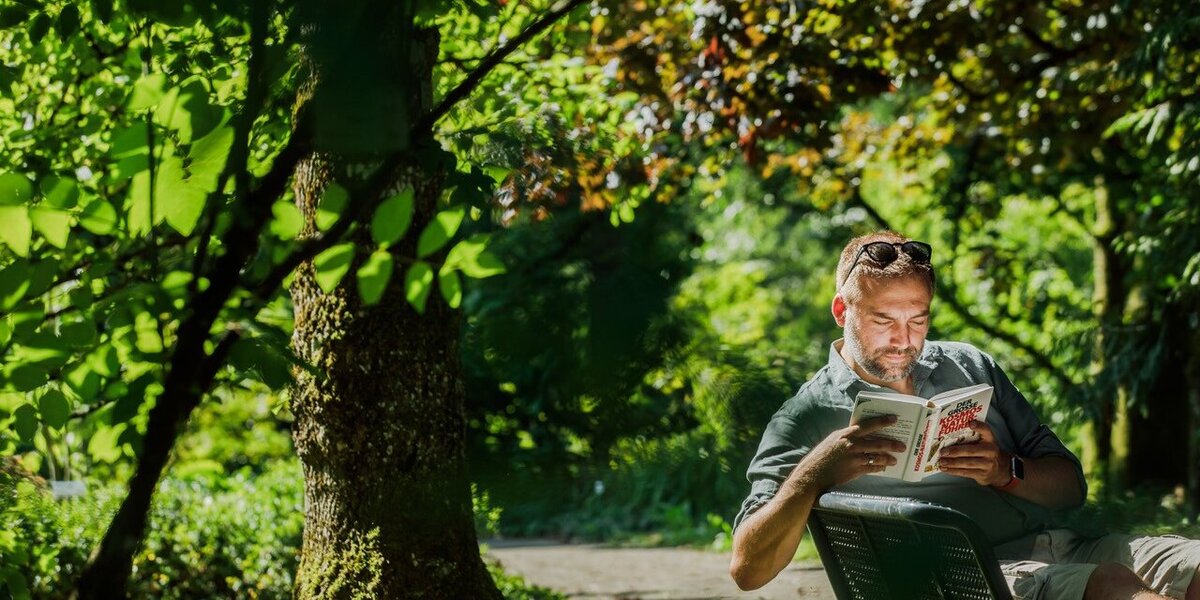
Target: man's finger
(984,431)
(868,426)
(980,448)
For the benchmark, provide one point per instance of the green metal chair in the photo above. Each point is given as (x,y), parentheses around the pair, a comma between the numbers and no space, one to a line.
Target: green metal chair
(881,548)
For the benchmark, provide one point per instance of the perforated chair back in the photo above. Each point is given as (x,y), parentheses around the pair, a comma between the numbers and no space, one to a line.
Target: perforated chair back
(881,548)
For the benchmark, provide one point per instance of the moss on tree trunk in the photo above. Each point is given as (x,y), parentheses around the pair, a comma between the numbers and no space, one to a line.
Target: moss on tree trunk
(380,430)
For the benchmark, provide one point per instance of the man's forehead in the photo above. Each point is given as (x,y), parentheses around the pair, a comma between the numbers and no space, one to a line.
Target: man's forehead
(898,293)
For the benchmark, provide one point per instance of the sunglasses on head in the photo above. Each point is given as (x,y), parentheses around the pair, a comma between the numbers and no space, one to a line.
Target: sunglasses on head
(885,253)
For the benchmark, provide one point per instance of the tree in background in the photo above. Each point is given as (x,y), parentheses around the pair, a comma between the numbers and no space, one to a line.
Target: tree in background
(156,181)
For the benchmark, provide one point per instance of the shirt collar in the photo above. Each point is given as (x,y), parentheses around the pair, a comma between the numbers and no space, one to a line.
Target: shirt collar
(843,376)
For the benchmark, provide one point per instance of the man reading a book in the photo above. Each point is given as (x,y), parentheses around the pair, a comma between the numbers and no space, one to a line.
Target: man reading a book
(1013,481)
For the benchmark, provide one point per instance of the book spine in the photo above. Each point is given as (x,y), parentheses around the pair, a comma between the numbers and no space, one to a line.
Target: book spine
(915,461)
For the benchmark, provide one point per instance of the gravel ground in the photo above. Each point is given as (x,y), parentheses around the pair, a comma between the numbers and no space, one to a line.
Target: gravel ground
(597,572)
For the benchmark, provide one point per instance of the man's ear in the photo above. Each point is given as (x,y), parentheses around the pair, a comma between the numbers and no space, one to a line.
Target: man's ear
(839,310)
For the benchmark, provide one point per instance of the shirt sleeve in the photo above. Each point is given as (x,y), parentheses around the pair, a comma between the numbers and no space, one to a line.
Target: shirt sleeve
(1032,438)
(784,444)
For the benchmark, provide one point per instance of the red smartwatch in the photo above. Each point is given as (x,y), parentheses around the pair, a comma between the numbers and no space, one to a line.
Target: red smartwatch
(1017,470)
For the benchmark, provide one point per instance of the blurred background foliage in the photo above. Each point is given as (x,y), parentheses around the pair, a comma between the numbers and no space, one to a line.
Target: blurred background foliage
(672,183)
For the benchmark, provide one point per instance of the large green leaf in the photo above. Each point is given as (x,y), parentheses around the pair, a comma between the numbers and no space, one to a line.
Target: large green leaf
(16,229)
(26,422)
(258,360)
(178,201)
(14,282)
(138,220)
(98,217)
(208,156)
(15,189)
(443,227)
(288,221)
(417,284)
(60,192)
(373,276)
(104,445)
(147,92)
(332,203)
(54,225)
(68,21)
(186,111)
(472,258)
(392,218)
(332,264)
(25,377)
(84,382)
(55,409)
(451,287)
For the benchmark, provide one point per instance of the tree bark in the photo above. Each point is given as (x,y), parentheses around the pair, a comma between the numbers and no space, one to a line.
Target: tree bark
(380,430)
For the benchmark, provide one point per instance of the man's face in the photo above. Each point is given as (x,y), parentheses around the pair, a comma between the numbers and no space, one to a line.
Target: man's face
(885,330)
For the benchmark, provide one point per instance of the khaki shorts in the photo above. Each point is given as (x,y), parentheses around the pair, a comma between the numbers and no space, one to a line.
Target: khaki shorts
(1061,562)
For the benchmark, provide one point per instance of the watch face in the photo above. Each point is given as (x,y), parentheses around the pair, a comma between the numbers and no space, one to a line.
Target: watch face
(1018,467)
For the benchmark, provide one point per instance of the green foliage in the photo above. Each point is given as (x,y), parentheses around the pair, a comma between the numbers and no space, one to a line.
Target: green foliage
(209,537)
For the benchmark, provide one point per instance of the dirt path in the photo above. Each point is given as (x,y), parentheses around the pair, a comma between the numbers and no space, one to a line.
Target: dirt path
(599,573)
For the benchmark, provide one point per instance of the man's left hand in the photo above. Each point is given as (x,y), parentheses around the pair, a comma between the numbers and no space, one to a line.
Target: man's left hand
(981,460)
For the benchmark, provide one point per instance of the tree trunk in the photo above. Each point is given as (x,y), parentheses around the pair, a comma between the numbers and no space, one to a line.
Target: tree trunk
(1193,430)
(380,430)
(1109,427)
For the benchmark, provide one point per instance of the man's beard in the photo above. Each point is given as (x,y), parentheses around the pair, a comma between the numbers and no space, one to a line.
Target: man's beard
(873,364)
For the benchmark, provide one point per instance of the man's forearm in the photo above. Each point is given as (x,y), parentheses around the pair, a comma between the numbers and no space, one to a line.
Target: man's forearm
(767,540)
(1050,481)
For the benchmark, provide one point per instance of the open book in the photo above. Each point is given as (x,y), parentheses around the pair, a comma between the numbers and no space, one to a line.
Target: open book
(924,426)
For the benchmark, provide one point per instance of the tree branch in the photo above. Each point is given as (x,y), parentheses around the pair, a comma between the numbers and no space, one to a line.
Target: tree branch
(424,125)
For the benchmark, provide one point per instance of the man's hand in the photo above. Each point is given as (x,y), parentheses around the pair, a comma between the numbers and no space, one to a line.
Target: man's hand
(981,460)
(852,452)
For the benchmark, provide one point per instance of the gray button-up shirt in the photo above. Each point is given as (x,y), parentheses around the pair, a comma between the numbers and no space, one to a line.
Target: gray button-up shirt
(824,403)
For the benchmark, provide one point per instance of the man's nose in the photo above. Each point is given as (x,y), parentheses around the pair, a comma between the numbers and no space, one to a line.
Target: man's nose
(900,336)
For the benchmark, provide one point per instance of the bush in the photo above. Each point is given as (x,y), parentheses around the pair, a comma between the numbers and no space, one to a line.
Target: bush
(209,536)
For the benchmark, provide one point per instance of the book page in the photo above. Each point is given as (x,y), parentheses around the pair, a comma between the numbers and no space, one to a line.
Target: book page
(903,430)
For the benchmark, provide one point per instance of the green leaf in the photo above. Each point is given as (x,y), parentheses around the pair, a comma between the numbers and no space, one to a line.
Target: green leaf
(444,225)
(186,111)
(25,377)
(129,141)
(78,333)
(54,225)
(392,218)
(60,192)
(258,360)
(84,382)
(15,189)
(103,10)
(38,28)
(417,285)
(451,287)
(104,445)
(5,331)
(472,258)
(16,229)
(287,222)
(98,217)
(208,156)
(373,276)
(27,422)
(176,200)
(11,16)
(147,92)
(138,219)
(333,202)
(332,264)
(55,409)
(68,21)
(14,282)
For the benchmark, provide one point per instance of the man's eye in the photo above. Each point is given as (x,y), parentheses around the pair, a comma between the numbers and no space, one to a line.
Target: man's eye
(883,322)
(920,323)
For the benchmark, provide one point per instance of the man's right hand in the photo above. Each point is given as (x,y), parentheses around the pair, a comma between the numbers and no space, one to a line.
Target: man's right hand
(850,453)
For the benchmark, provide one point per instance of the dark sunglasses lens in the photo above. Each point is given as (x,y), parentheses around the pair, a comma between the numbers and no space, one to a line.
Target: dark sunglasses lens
(881,252)
(918,251)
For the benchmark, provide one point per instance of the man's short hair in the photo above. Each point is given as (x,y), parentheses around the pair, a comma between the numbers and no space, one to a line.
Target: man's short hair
(850,288)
